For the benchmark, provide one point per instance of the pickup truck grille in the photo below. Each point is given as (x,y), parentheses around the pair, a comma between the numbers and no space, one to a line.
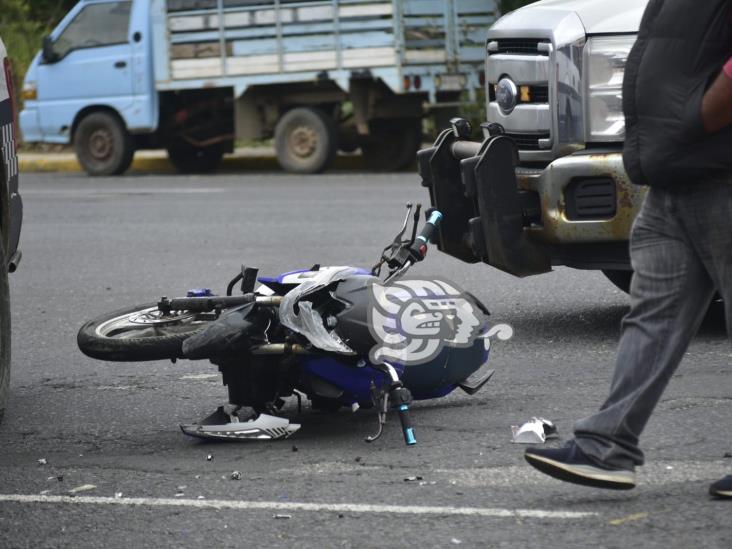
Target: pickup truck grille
(528,63)
(528,141)
(518,46)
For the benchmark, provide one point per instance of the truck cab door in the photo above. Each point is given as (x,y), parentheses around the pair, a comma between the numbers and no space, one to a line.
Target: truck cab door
(90,65)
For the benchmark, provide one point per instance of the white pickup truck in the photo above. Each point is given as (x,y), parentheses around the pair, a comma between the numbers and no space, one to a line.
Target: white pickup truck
(554,190)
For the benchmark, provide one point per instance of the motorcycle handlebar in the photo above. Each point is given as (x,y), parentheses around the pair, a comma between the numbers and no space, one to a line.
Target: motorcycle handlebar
(418,249)
(407,428)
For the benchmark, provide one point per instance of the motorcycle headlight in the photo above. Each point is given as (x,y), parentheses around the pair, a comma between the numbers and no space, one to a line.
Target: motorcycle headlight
(605,58)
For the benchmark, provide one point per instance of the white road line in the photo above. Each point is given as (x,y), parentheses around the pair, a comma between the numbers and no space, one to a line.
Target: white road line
(294,506)
(120,191)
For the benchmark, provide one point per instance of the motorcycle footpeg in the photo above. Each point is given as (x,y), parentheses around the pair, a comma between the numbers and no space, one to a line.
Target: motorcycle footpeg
(223,426)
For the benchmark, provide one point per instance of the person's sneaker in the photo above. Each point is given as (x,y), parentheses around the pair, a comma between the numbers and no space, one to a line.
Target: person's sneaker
(572,465)
(722,488)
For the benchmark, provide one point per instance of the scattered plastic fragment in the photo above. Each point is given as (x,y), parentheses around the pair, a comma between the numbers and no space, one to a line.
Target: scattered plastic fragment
(181,488)
(209,457)
(83,488)
(728,454)
(236,475)
(179,495)
(412,479)
(669,467)
(455,541)
(294,448)
(358,459)
(201,497)
(197,476)
(282,516)
(536,431)
(45,492)
(60,478)
(42,461)
(117,495)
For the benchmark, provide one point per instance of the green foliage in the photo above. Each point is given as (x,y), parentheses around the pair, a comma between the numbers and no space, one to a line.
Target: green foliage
(510,5)
(22,27)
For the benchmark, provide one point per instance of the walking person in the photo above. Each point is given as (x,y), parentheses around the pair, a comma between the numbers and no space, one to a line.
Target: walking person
(677,100)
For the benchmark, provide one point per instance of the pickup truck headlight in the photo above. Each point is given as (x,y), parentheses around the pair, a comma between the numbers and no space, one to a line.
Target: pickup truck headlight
(605,58)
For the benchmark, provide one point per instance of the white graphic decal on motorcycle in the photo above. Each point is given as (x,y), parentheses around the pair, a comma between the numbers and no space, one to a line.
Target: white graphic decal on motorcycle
(412,320)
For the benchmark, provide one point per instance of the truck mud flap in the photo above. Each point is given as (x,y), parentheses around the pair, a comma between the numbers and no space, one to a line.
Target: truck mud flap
(485,213)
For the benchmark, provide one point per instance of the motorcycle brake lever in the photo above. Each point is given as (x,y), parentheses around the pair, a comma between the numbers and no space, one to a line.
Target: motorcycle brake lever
(398,237)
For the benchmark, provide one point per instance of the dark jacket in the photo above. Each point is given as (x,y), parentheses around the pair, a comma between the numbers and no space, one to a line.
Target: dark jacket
(681,48)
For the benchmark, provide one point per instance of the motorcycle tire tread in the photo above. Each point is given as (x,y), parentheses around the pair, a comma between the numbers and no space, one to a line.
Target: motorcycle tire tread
(132,349)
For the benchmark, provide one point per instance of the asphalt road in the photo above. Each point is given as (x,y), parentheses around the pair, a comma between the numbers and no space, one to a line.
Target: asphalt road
(93,245)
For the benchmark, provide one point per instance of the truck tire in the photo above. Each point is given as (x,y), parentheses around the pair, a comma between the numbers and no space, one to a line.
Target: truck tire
(393,144)
(4,331)
(103,145)
(189,159)
(621,279)
(306,140)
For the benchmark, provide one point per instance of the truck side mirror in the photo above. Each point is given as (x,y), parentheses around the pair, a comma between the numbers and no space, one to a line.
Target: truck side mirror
(48,54)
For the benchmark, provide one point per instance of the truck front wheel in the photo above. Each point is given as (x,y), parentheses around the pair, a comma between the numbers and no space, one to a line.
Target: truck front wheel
(103,145)
(189,159)
(306,140)
(621,279)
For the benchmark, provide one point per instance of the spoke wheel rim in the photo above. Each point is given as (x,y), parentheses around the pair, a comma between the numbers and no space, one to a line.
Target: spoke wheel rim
(148,322)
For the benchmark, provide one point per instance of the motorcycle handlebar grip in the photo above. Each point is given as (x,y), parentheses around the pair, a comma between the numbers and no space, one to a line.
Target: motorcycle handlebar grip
(407,428)
(419,248)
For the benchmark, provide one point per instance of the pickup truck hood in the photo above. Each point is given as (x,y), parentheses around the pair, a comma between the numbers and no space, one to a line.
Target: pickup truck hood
(597,16)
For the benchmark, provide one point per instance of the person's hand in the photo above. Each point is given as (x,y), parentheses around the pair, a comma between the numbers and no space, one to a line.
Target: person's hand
(717,104)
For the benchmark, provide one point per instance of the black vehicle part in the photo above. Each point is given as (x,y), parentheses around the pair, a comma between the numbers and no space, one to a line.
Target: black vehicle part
(475,382)
(234,331)
(126,335)
(187,158)
(401,398)
(475,187)
(306,140)
(352,323)
(392,145)
(256,381)
(621,279)
(4,332)
(102,144)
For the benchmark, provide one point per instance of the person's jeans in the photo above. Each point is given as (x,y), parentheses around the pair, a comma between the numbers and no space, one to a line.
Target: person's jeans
(681,250)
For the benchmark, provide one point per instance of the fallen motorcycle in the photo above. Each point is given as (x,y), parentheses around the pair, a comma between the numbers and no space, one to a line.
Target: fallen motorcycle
(339,336)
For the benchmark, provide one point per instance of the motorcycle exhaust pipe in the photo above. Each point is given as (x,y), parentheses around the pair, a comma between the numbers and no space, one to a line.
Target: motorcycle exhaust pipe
(281,349)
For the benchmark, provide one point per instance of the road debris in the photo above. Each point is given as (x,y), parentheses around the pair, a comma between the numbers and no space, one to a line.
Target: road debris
(117,495)
(456,541)
(82,488)
(236,475)
(282,516)
(294,448)
(45,492)
(209,457)
(535,431)
(728,455)
(42,461)
(413,479)
(181,488)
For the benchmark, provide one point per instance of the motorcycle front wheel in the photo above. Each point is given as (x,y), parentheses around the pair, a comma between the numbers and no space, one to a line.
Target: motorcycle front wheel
(140,333)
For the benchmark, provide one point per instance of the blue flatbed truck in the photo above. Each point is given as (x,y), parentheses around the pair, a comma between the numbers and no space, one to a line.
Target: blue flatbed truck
(194,76)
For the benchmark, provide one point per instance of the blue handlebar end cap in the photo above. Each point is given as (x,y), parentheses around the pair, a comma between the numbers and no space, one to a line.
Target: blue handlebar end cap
(435,217)
(409,437)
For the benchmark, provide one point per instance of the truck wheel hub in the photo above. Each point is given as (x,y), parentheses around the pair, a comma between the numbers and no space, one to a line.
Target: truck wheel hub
(303,141)
(101,144)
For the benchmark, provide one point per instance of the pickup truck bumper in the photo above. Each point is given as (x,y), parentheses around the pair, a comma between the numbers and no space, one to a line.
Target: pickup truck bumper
(578,211)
